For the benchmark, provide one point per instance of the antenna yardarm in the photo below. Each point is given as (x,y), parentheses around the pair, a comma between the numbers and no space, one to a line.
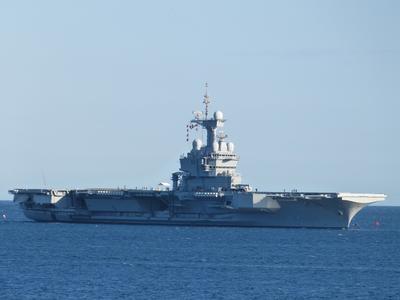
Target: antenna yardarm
(206,100)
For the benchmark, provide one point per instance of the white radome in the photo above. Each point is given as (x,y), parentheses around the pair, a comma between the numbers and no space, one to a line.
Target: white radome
(218,115)
(222,146)
(215,147)
(231,147)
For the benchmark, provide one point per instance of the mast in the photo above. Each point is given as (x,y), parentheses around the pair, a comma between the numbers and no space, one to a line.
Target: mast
(210,124)
(206,100)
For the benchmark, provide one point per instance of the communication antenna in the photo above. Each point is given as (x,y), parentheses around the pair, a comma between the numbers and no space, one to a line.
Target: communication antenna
(206,100)
(221,136)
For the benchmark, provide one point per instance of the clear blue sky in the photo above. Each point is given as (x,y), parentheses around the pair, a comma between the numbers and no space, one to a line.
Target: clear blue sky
(98,93)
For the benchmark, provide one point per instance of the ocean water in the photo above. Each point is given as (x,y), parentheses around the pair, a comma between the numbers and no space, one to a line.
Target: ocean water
(81,261)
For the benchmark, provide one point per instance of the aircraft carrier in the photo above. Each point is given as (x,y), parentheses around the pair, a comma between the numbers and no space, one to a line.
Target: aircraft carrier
(206,191)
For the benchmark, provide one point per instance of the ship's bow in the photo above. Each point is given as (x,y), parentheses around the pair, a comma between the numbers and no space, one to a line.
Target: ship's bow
(353,203)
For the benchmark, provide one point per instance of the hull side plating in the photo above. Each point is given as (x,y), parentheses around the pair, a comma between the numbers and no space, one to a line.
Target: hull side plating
(165,208)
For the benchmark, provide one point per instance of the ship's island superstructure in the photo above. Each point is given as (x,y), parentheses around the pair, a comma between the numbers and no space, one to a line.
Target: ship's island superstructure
(207,191)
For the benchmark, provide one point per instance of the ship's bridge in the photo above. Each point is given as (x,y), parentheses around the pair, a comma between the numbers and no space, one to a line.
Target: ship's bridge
(211,166)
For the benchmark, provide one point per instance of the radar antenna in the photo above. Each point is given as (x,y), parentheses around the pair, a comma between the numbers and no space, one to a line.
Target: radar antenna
(206,100)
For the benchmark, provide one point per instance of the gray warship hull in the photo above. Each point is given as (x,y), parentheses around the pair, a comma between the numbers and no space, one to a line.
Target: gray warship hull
(244,209)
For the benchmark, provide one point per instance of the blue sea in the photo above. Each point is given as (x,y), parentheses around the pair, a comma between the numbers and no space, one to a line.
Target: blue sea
(80,261)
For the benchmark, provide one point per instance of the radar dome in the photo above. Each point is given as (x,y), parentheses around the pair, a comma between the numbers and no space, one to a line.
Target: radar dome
(222,146)
(218,115)
(231,147)
(215,147)
(197,143)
